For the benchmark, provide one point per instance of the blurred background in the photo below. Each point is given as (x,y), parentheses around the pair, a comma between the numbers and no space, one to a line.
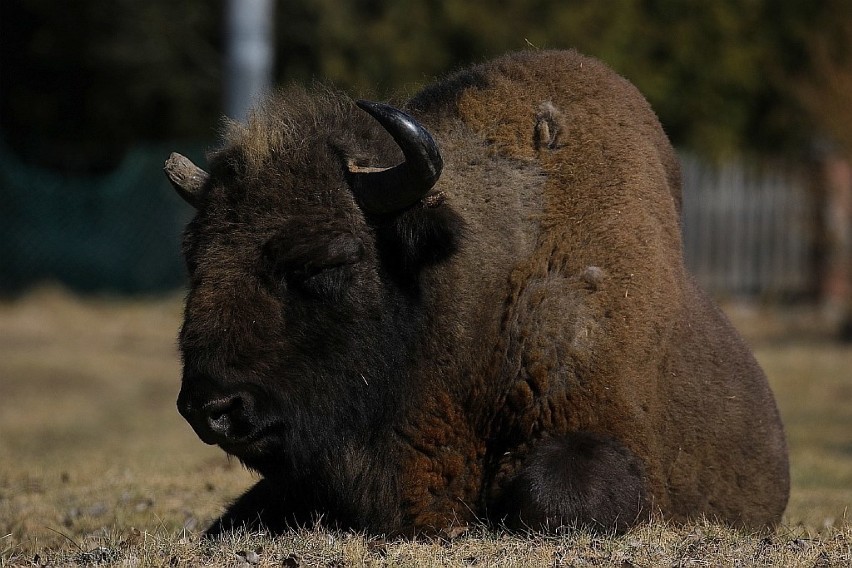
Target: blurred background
(755,94)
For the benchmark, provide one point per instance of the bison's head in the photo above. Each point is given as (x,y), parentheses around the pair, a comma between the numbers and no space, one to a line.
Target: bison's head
(304,260)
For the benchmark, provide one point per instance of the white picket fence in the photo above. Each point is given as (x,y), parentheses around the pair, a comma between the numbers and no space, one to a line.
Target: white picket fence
(748,231)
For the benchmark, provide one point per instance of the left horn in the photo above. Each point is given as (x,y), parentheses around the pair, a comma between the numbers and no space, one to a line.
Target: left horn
(187,178)
(390,190)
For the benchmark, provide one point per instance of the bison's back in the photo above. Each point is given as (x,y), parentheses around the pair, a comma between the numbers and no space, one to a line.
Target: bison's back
(600,327)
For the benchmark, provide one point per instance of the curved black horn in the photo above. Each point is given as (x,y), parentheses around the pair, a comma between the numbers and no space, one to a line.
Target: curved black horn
(388,190)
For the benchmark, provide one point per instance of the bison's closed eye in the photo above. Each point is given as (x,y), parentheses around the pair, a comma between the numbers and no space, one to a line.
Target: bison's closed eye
(328,283)
(322,269)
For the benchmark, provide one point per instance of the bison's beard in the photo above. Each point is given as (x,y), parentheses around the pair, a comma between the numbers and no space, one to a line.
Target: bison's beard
(309,433)
(340,467)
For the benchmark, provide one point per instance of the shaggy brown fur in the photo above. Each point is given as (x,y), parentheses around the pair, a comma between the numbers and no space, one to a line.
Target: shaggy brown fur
(529,350)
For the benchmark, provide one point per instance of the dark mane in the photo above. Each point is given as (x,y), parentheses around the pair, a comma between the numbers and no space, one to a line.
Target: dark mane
(285,123)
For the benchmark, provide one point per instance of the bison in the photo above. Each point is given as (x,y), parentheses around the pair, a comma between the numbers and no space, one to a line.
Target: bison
(468,307)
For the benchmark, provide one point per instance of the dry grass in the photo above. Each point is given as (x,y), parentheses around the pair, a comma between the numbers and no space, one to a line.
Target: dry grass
(97,467)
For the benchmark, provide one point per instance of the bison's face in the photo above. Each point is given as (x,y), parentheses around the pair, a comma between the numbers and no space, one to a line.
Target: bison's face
(303,306)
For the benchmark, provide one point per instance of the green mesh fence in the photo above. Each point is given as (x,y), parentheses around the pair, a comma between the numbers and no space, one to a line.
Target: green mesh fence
(116,233)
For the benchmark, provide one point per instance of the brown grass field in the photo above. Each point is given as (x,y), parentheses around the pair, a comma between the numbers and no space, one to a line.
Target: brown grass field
(98,468)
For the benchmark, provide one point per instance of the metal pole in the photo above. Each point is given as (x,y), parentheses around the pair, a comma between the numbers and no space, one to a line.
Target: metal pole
(248,71)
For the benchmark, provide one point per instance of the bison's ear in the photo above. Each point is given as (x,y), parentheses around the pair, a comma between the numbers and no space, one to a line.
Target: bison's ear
(423,235)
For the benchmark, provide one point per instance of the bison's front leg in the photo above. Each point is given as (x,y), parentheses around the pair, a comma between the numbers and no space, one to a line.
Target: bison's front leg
(578,479)
(264,507)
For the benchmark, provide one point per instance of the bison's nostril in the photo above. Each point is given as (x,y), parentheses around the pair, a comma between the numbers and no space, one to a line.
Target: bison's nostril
(219,424)
(220,416)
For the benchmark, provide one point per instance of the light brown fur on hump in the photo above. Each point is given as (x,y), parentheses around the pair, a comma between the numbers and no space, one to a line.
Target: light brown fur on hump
(604,206)
(585,304)
(554,82)
(623,359)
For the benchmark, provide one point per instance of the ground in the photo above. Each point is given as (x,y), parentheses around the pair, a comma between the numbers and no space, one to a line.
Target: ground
(97,467)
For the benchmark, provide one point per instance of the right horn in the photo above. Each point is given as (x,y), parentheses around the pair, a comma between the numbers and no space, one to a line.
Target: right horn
(390,190)
(187,178)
